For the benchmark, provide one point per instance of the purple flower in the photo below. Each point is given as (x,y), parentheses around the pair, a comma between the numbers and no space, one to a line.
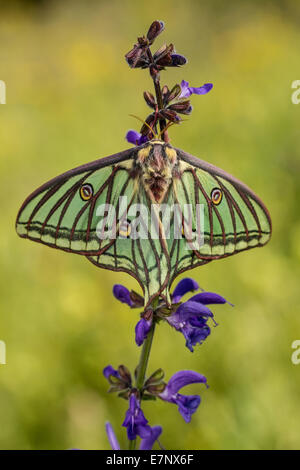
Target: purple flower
(187,404)
(191,317)
(112,437)
(122,294)
(135,421)
(187,91)
(119,380)
(141,330)
(143,326)
(109,370)
(183,287)
(146,443)
(133,300)
(135,138)
(177,60)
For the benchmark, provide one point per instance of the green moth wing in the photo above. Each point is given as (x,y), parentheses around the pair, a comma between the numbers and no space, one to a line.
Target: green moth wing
(234,218)
(63,214)
(145,256)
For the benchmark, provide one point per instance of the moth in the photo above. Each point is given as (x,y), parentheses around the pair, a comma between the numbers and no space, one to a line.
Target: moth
(64,213)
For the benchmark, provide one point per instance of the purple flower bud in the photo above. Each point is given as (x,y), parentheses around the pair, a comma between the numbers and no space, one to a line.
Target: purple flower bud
(112,437)
(183,287)
(122,294)
(155,29)
(178,60)
(109,370)
(187,404)
(135,421)
(141,330)
(135,138)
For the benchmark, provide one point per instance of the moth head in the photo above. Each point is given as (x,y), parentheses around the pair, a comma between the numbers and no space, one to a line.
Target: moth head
(158,158)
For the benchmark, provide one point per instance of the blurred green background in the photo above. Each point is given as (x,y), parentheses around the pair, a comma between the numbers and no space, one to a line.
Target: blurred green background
(69,94)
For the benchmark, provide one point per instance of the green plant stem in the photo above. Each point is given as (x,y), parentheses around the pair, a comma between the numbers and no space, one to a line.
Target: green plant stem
(131,445)
(141,369)
(144,359)
(143,363)
(162,122)
(159,100)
